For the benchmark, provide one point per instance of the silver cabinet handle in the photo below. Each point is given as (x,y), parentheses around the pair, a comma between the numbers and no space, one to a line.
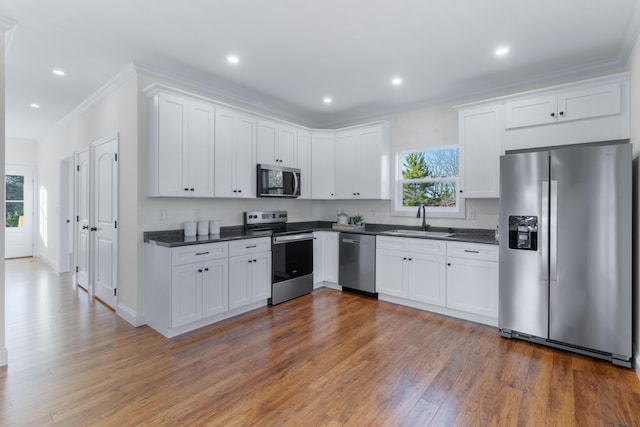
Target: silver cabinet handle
(471,252)
(202,253)
(252,246)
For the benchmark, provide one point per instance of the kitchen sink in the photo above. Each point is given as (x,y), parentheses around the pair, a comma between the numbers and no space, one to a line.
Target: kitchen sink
(417,233)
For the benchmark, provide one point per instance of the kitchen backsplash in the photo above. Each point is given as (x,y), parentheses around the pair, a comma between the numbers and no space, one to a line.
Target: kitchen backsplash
(168,213)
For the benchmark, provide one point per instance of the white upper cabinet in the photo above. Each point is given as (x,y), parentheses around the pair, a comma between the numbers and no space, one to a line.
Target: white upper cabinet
(235,154)
(323,153)
(181,147)
(362,162)
(479,138)
(277,144)
(304,163)
(600,100)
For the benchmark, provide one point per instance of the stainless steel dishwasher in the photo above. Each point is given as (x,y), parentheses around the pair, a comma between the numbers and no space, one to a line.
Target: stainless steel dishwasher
(357,262)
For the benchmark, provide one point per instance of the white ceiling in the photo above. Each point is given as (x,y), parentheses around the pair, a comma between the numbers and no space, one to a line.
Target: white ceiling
(295,52)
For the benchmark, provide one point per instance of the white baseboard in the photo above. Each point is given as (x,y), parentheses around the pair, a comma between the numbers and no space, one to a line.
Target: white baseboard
(51,263)
(130,315)
(4,357)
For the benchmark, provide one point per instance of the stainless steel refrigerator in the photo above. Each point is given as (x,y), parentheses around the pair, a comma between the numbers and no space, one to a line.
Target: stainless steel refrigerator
(565,249)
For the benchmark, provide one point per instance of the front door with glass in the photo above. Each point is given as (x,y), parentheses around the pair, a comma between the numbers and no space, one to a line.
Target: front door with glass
(18,211)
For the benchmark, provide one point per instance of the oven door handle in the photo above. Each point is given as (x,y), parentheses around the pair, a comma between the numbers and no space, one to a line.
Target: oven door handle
(278,240)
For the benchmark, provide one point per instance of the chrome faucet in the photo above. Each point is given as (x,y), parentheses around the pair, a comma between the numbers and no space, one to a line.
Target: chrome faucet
(425,226)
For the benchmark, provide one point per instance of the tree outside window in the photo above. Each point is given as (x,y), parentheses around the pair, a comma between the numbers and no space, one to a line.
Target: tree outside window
(430,178)
(14,203)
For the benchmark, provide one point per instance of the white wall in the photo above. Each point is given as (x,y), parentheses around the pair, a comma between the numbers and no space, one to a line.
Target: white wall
(634,66)
(115,113)
(23,152)
(3,346)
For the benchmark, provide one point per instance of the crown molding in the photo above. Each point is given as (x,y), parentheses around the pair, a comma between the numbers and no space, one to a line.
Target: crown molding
(8,27)
(126,73)
(226,95)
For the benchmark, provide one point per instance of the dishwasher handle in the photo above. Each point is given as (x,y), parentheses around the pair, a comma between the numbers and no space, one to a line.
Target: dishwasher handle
(347,240)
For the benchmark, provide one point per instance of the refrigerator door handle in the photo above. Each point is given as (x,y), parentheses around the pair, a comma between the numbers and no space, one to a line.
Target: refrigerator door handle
(553,232)
(544,231)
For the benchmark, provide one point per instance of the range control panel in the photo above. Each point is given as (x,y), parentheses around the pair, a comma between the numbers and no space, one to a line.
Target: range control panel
(265,217)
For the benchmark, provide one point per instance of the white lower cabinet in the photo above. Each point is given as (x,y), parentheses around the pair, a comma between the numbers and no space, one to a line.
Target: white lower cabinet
(411,268)
(453,278)
(325,258)
(198,290)
(249,272)
(189,287)
(472,278)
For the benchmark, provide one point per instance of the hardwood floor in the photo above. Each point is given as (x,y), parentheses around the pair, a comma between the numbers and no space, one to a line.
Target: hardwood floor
(326,359)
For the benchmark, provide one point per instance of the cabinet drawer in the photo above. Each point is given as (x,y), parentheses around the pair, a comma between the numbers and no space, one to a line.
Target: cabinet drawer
(392,243)
(249,246)
(198,253)
(472,251)
(428,246)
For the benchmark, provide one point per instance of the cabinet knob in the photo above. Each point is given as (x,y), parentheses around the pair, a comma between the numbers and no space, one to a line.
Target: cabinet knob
(199,270)
(404,258)
(85,227)
(409,259)
(235,191)
(250,261)
(206,269)
(186,189)
(449,264)
(553,114)
(239,191)
(562,113)
(192,189)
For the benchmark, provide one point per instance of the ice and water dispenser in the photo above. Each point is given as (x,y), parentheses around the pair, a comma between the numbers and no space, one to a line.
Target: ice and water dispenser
(523,233)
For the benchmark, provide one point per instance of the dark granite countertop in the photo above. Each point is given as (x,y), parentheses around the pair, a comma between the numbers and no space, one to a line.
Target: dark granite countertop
(174,238)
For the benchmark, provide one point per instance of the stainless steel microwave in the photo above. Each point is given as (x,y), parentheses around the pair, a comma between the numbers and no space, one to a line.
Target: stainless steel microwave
(278,181)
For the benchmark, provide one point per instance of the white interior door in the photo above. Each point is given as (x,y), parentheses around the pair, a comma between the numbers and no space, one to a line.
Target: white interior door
(83,204)
(66,215)
(105,214)
(18,211)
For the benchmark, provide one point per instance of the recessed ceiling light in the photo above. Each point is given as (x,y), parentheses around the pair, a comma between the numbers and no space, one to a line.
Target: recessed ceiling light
(396,81)
(233,59)
(34,105)
(58,72)
(327,100)
(501,51)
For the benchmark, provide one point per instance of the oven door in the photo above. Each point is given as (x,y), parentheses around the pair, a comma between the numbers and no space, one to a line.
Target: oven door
(292,256)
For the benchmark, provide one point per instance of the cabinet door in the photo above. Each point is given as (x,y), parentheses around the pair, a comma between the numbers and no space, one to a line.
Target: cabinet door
(224,153)
(531,111)
(245,157)
(200,150)
(186,293)
(390,272)
(479,132)
(260,278)
(426,278)
(591,102)
(287,146)
(304,164)
(323,166)
(345,161)
(318,265)
(239,274)
(172,146)
(267,140)
(215,286)
(472,286)
(330,256)
(368,163)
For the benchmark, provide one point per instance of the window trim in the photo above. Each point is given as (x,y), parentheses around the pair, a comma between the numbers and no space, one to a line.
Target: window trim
(431,212)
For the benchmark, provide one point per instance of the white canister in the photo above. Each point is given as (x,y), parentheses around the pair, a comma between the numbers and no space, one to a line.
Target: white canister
(203,228)
(214,226)
(190,228)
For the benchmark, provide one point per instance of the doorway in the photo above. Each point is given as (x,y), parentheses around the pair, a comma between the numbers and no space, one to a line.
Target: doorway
(66,215)
(18,211)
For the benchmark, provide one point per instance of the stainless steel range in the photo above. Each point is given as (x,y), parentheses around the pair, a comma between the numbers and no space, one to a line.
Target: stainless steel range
(291,254)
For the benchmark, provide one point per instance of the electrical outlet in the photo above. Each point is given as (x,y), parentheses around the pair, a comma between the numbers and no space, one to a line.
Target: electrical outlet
(163,214)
